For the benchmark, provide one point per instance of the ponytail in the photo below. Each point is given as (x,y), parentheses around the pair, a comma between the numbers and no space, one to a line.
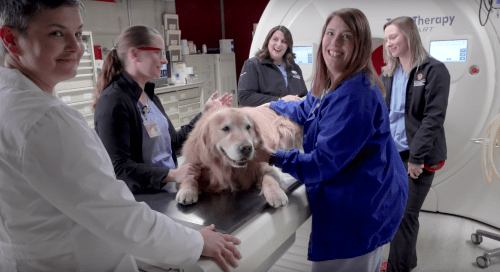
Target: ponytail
(114,64)
(111,68)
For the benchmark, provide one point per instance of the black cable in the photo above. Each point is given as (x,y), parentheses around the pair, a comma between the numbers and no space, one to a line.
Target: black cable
(488,9)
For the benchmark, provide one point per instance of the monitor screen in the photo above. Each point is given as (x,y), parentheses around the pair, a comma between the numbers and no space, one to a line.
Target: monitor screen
(303,54)
(449,51)
(164,71)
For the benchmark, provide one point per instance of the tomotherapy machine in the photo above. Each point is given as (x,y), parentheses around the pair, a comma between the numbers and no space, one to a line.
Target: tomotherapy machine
(464,34)
(452,32)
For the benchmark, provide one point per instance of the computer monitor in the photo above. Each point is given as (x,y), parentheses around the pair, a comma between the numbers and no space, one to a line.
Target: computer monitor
(164,71)
(166,68)
(303,54)
(449,51)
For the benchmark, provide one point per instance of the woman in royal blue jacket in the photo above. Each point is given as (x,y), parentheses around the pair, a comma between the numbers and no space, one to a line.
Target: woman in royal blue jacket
(355,179)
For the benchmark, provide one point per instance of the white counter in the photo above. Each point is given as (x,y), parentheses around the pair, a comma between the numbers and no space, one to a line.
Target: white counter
(264,238)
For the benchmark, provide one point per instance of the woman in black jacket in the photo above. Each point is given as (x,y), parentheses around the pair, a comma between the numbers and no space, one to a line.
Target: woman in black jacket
(417,97)
(272,74)
(129,117)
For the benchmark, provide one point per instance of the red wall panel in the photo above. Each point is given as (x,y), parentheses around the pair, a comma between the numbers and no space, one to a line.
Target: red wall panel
(200,21)
(239,17)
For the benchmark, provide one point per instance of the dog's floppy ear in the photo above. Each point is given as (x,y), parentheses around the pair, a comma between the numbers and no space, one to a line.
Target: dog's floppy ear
(258,135)
(203,144)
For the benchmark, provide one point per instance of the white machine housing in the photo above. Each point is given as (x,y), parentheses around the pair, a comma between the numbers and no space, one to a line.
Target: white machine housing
(459,187)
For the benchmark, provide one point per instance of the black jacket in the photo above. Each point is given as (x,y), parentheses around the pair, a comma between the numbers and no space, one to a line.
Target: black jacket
(118,123)
(263,82)
(425,110)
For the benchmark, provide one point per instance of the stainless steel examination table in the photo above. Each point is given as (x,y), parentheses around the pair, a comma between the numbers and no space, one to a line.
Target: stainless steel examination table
(266,233)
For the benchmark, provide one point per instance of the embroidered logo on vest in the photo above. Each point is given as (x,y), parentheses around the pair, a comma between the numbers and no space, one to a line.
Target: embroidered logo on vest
(420,81)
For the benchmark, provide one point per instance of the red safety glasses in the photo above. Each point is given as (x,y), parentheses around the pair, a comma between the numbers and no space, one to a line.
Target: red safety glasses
(159,51)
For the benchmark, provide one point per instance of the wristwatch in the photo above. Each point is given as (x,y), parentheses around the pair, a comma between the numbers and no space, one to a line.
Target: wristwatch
(272,159)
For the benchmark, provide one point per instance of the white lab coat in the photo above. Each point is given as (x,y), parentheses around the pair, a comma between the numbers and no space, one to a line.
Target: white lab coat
(61,207)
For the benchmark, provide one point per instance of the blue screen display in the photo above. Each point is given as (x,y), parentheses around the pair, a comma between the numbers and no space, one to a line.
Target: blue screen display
(449,51)
(163,71)
(303,54)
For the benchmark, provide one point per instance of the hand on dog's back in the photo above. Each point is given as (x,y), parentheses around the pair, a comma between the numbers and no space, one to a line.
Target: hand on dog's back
(186,171)
(213,102)
(220,247)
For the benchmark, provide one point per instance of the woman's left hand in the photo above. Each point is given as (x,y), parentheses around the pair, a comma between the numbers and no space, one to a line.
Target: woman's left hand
(223,101)
(414,170)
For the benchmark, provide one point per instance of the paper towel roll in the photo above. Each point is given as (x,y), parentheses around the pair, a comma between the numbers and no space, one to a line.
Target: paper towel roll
(189,70)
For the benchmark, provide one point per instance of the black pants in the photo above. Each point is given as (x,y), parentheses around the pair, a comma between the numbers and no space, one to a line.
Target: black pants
(403,252)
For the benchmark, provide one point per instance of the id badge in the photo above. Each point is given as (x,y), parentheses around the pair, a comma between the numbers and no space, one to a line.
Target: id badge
(152,129)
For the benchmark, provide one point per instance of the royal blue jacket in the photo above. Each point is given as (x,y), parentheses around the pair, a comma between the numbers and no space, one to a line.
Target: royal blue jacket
(356,182)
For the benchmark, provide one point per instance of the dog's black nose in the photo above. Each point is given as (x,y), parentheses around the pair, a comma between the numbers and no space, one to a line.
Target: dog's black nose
(246,149)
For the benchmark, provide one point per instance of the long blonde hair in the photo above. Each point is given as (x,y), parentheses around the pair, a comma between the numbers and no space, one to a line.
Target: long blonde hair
(361,57)
(409,28)
(114,64)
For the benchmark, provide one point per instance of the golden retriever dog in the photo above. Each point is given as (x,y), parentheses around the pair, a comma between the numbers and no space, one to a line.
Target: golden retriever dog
(223,142)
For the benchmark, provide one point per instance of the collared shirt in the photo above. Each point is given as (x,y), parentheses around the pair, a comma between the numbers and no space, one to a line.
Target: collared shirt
(61,206)
(261,83)
(283,71)
(397,112)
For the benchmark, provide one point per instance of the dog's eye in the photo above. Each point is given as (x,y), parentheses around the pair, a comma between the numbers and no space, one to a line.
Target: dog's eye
(249,127)
(225,128)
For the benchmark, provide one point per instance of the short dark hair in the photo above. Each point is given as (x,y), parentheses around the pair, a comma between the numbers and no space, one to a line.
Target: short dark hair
(289,55)
(19,13)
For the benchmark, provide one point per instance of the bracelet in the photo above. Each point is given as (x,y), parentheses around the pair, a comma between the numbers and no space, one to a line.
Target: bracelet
(272,158)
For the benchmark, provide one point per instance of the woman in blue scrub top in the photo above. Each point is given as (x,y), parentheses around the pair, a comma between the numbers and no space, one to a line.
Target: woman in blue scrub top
(130,120)
(354,176)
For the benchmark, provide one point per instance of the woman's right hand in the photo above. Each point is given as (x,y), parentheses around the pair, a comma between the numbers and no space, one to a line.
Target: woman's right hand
(186,171)
(290,98)
(220,247)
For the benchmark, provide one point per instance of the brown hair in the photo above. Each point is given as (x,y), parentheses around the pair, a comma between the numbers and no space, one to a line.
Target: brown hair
(289,56)
(409,28)
(361,57)
(114,64)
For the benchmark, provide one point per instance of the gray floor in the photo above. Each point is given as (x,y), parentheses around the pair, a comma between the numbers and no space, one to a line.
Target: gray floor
(443,245)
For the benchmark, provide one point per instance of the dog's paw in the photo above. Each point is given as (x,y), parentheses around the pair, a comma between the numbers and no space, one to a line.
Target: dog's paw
(276,198)
(186,196)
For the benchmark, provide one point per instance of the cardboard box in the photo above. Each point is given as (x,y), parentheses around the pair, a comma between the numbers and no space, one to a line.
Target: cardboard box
(173,37)
(175,53)
(226,46)
(171,21)
(191,47)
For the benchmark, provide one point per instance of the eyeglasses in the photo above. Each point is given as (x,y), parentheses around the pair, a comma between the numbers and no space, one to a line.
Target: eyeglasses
(159,51)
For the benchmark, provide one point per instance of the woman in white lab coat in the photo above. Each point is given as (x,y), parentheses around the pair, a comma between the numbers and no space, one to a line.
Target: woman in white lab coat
(61,207)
